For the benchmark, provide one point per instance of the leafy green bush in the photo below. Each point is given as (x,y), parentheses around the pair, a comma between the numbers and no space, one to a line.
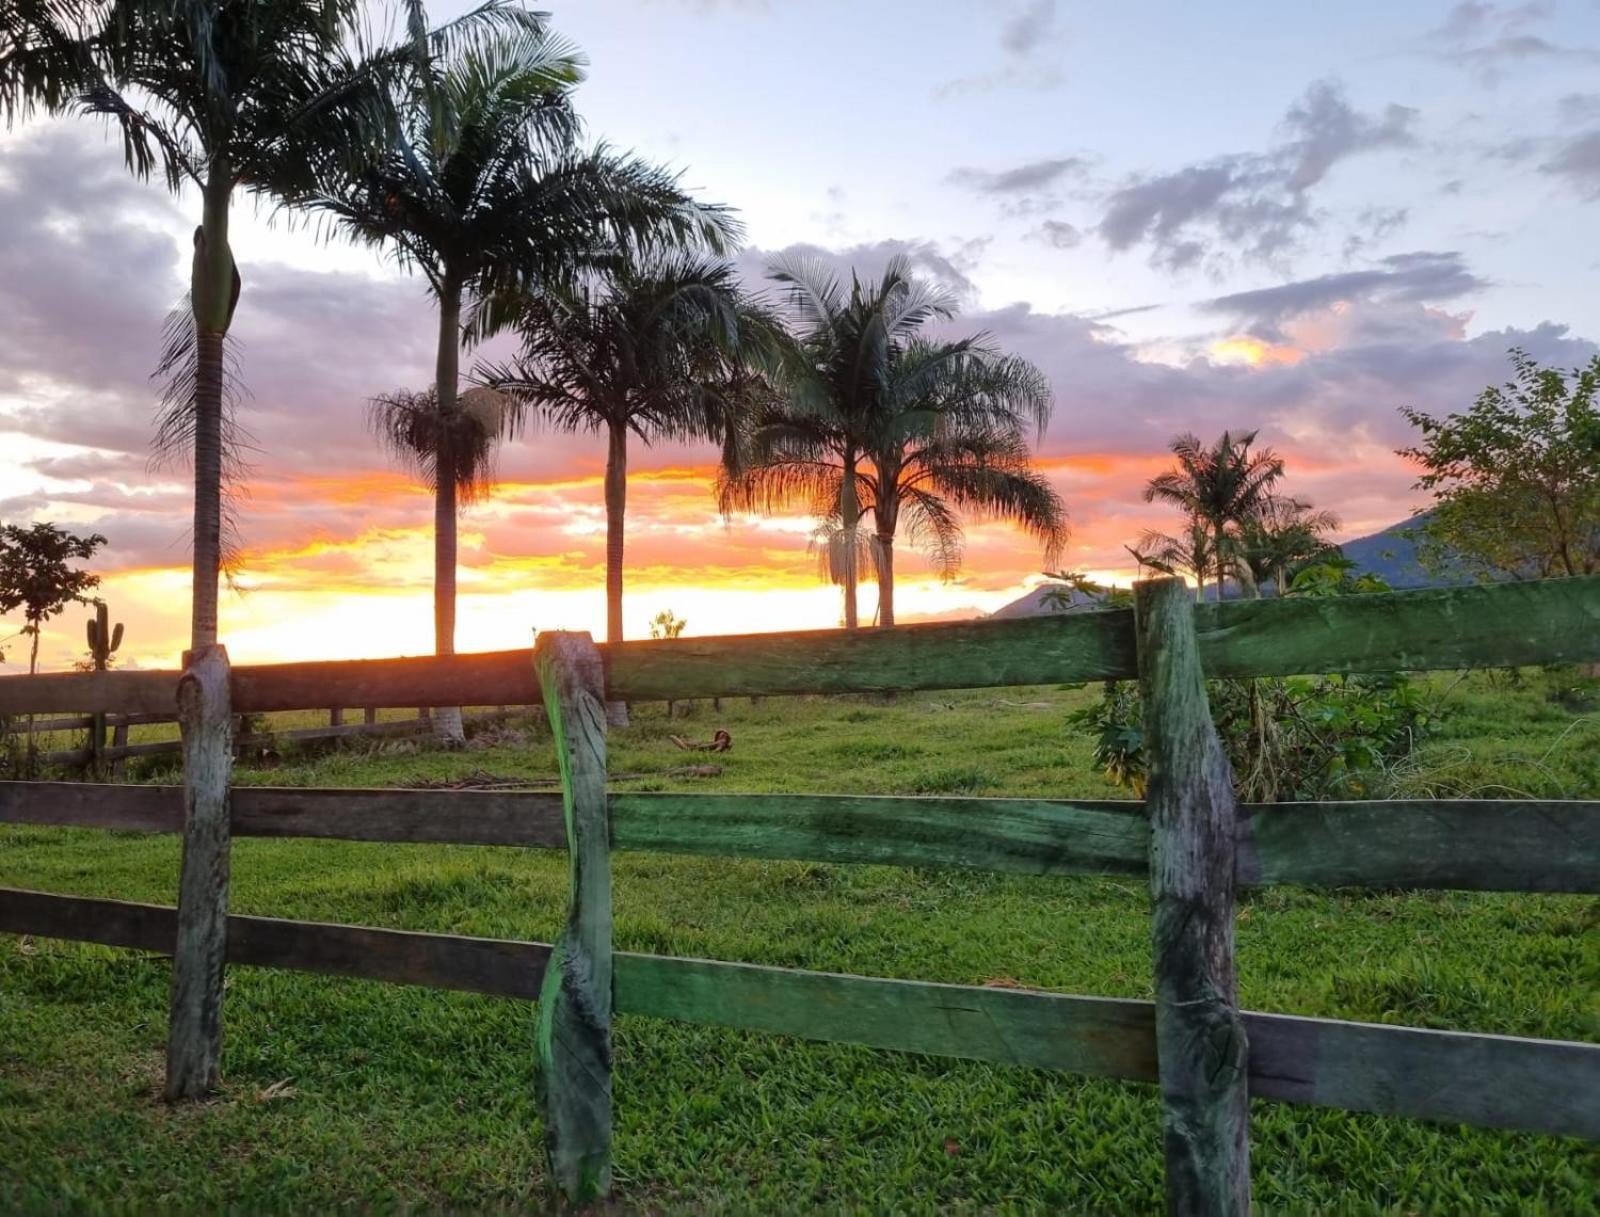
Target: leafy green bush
(1305,737)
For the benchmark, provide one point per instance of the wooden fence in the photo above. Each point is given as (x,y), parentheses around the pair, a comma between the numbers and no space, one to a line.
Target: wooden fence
(119,750)
(1188,837)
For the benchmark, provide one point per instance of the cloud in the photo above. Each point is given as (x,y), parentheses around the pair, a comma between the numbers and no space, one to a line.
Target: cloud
(1490,39)
(1412,278)
(1023,190)
(930,260)
(1578,161)
(1254,204)
(1026,30)
(1021,179)
(1028,39)
(1057,234)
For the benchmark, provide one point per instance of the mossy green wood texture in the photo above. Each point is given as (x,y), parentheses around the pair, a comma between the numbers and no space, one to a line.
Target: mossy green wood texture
(194,1029)
(1505,845)
(1026,836)
(1545,1086)
(574,1042)
(1511,845)
(1500,625)
(1189,798)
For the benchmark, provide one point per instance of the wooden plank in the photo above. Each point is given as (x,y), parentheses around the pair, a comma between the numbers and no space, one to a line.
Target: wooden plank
(1505,845)
(1488,626)
(124,692)
(194,1029)
(1492,1081)
(1200,1037)
(1471,845)
(1483,626)
(1019,836)
(1498,625)
(483,679)
(975,654)
(75,722)
(454,817)
(497,967)
(574,1040)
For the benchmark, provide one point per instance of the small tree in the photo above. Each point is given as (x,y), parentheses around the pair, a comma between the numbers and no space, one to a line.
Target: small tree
(37,578)
(667,624)
(1516,478)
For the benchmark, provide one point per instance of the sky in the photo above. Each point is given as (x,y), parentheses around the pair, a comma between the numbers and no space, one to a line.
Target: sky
(1289,218)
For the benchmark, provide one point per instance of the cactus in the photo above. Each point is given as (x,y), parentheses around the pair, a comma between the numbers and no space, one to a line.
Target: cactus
(103,640)
(103,644)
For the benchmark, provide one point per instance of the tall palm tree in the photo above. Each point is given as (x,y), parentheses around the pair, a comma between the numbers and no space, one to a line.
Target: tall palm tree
(222,95)
(645,349)
(1219,485)
(1277,536)
(485,191)
(951,437)
(808,448)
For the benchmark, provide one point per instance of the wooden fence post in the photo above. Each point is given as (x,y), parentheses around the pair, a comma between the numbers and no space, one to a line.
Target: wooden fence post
(574,1042)
(194,1029)
(1200,1039)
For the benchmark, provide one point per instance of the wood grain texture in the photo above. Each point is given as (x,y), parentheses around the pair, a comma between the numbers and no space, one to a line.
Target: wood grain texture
(1509,845)
(1493,1081)
(1020,836)
(1504,845)
(1189,798)
(1489,626)
(1499,625)
(977,654)
(125,692)
(493,966)
(194,1027)
(574,1041)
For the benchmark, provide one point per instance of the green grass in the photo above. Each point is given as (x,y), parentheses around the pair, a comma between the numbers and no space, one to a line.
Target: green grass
(355,1095)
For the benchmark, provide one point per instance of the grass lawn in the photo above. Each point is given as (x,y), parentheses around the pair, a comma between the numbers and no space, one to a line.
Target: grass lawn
(357,1095)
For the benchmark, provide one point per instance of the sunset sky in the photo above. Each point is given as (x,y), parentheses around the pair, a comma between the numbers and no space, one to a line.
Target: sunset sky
(1244,214)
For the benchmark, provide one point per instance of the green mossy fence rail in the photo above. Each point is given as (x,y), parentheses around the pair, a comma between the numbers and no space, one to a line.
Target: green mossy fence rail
(1190,840)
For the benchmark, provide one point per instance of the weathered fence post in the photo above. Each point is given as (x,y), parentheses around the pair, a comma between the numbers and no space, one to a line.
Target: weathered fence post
(574,1044)
(194,1029)
(1200,1040)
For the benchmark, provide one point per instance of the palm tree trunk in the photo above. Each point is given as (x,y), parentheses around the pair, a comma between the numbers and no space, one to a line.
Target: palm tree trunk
(1222,566)
(447,726)
(616,515)
(211,290)
(848,517)
(885,557)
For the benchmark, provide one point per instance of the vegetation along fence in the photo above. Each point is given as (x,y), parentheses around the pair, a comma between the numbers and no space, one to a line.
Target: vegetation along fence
(1188,836)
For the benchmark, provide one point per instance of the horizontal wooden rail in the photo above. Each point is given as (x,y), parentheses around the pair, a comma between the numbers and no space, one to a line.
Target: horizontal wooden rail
(1478,845)
(1545,1086)
(1498,625)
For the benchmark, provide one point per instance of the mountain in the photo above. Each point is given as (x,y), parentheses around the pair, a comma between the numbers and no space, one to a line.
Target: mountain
(1034,603)
(1391,554)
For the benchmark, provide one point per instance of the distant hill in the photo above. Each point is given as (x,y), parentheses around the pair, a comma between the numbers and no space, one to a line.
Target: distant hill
(1034,603)
(1390,554)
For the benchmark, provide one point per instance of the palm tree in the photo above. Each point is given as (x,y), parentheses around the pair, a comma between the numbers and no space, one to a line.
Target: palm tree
(949,436)
(1278,536)
(485,191)
(1218,486)
(1191,552)
(222,95)
(646,349)
(807,449)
